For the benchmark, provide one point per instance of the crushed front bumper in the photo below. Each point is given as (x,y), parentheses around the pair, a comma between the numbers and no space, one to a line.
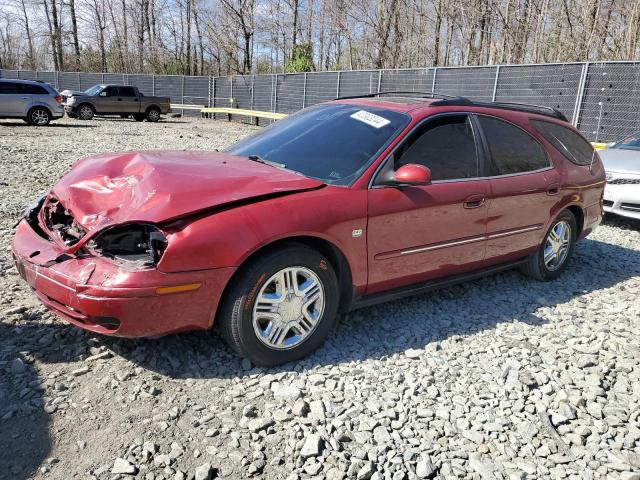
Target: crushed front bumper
(99,295)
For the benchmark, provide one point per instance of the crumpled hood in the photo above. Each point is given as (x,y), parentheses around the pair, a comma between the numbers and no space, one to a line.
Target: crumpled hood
(158,186)
(620,160)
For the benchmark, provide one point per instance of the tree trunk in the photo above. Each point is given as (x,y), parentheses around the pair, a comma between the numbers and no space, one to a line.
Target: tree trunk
(74,30)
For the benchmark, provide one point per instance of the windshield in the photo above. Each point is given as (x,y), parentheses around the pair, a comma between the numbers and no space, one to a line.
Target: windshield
(93,90)
(333,142)
(630,143)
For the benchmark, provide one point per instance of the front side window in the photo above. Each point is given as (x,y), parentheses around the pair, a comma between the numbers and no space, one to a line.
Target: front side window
(111,91)
(512,149)
(575,148)
(332,142)
(8,88)
(446,146)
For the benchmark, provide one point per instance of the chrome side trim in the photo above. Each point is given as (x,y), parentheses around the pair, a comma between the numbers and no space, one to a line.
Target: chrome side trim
(466,241)
(442,245)
(514,232)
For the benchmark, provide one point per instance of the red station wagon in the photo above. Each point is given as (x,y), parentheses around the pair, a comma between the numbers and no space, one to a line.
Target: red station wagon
(342,205)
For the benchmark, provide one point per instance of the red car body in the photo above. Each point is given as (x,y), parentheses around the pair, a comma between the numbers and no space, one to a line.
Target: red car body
(218,210)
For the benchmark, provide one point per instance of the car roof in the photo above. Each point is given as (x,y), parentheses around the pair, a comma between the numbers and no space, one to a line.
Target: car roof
(20,80)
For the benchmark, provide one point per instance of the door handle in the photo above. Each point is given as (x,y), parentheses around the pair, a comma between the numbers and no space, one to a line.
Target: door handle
(474,201)
(553,189)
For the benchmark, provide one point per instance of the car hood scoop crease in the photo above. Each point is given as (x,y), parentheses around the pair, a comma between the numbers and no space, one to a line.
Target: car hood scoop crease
(156,187)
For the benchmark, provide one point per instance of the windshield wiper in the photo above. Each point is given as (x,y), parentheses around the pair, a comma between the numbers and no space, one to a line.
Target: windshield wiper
(258,158)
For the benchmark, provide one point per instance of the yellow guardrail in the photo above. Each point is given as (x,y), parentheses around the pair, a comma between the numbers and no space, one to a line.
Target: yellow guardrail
(599,146)
(244,112)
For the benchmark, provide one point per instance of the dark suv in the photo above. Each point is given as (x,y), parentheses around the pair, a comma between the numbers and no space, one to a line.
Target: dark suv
(37,103)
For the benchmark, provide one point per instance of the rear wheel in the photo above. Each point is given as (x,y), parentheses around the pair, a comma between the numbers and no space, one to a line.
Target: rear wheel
(38,117)
(153,114)
(281,307)
(553,255)
(85,112)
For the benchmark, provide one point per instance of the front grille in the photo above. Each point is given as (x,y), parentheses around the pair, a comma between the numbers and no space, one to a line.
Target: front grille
(624,181)
(633,207)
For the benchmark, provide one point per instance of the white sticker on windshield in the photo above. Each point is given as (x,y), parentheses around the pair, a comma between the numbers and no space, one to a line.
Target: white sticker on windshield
(376,121)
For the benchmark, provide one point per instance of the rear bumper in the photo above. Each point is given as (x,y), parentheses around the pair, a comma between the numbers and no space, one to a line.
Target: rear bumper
(622,200)
(98,295)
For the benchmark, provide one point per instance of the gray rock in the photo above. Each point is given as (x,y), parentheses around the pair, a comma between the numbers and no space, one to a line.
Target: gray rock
(204,472)
(122,466)
(312,446)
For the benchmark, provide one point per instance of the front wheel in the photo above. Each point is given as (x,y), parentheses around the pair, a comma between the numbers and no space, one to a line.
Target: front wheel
(553,255)
(85,112)
(281,307)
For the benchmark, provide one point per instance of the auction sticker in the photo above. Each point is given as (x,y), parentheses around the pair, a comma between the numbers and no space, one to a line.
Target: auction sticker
(376,121)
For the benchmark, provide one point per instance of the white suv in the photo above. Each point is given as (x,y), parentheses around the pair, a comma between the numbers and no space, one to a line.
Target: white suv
(36,103)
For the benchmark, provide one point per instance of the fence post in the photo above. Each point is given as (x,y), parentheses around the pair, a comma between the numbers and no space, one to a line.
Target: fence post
(79,83)
(231,93)
(182,94)
(36,75)
(253,83)
(304,91)
(433,83)
(495,84)
(379,79)
(153,85)
(102,78)
(274,87)
(580,96)
(57,80)
(338,86)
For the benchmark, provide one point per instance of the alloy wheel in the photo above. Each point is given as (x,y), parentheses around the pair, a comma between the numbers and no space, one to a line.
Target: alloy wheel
(153,116)
(557,245)
(85,113)
(39,117)
(288,308)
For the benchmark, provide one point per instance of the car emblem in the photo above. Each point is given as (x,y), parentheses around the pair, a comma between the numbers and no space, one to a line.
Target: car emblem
(356,233)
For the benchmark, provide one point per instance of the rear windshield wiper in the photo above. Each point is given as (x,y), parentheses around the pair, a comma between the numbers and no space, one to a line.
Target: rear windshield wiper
(258,158)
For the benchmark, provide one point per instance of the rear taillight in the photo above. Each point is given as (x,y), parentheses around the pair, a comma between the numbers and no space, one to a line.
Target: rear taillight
(58,98)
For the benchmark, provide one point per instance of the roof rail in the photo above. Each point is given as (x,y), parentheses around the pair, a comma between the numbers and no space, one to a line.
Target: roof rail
(453,100)
(519,107)
(403,92)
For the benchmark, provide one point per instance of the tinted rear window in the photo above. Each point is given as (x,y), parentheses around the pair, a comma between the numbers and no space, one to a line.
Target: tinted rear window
(575,148)
(33,89)
(127,92)
(332,142)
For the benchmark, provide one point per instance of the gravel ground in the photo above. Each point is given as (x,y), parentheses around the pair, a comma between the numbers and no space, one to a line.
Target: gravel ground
(499,378)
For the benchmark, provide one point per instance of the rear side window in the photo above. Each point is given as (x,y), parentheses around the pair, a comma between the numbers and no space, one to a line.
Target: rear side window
(127,92)
(512,149)
(8,88)
(575,148)
(446,146)
(29,89)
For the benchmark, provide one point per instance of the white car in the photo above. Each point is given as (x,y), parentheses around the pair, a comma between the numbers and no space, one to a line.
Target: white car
(622,165)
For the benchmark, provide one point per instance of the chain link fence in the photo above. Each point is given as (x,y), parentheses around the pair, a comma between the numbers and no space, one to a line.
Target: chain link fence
(601,98)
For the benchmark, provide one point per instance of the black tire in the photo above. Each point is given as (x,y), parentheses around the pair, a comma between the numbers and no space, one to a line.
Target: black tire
(85,112)
(153,114)
(235,317)
(39,117)
(536,266)
(138,117)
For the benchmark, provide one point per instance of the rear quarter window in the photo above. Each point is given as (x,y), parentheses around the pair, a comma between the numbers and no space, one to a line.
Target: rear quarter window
(570,144)
(8,88)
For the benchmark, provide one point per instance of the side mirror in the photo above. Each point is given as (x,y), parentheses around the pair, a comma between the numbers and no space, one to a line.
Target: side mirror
(411,174)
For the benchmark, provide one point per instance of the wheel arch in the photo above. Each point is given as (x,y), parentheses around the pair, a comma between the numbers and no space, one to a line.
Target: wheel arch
(578,214)
(39,105)
(153,105)
(325,247)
